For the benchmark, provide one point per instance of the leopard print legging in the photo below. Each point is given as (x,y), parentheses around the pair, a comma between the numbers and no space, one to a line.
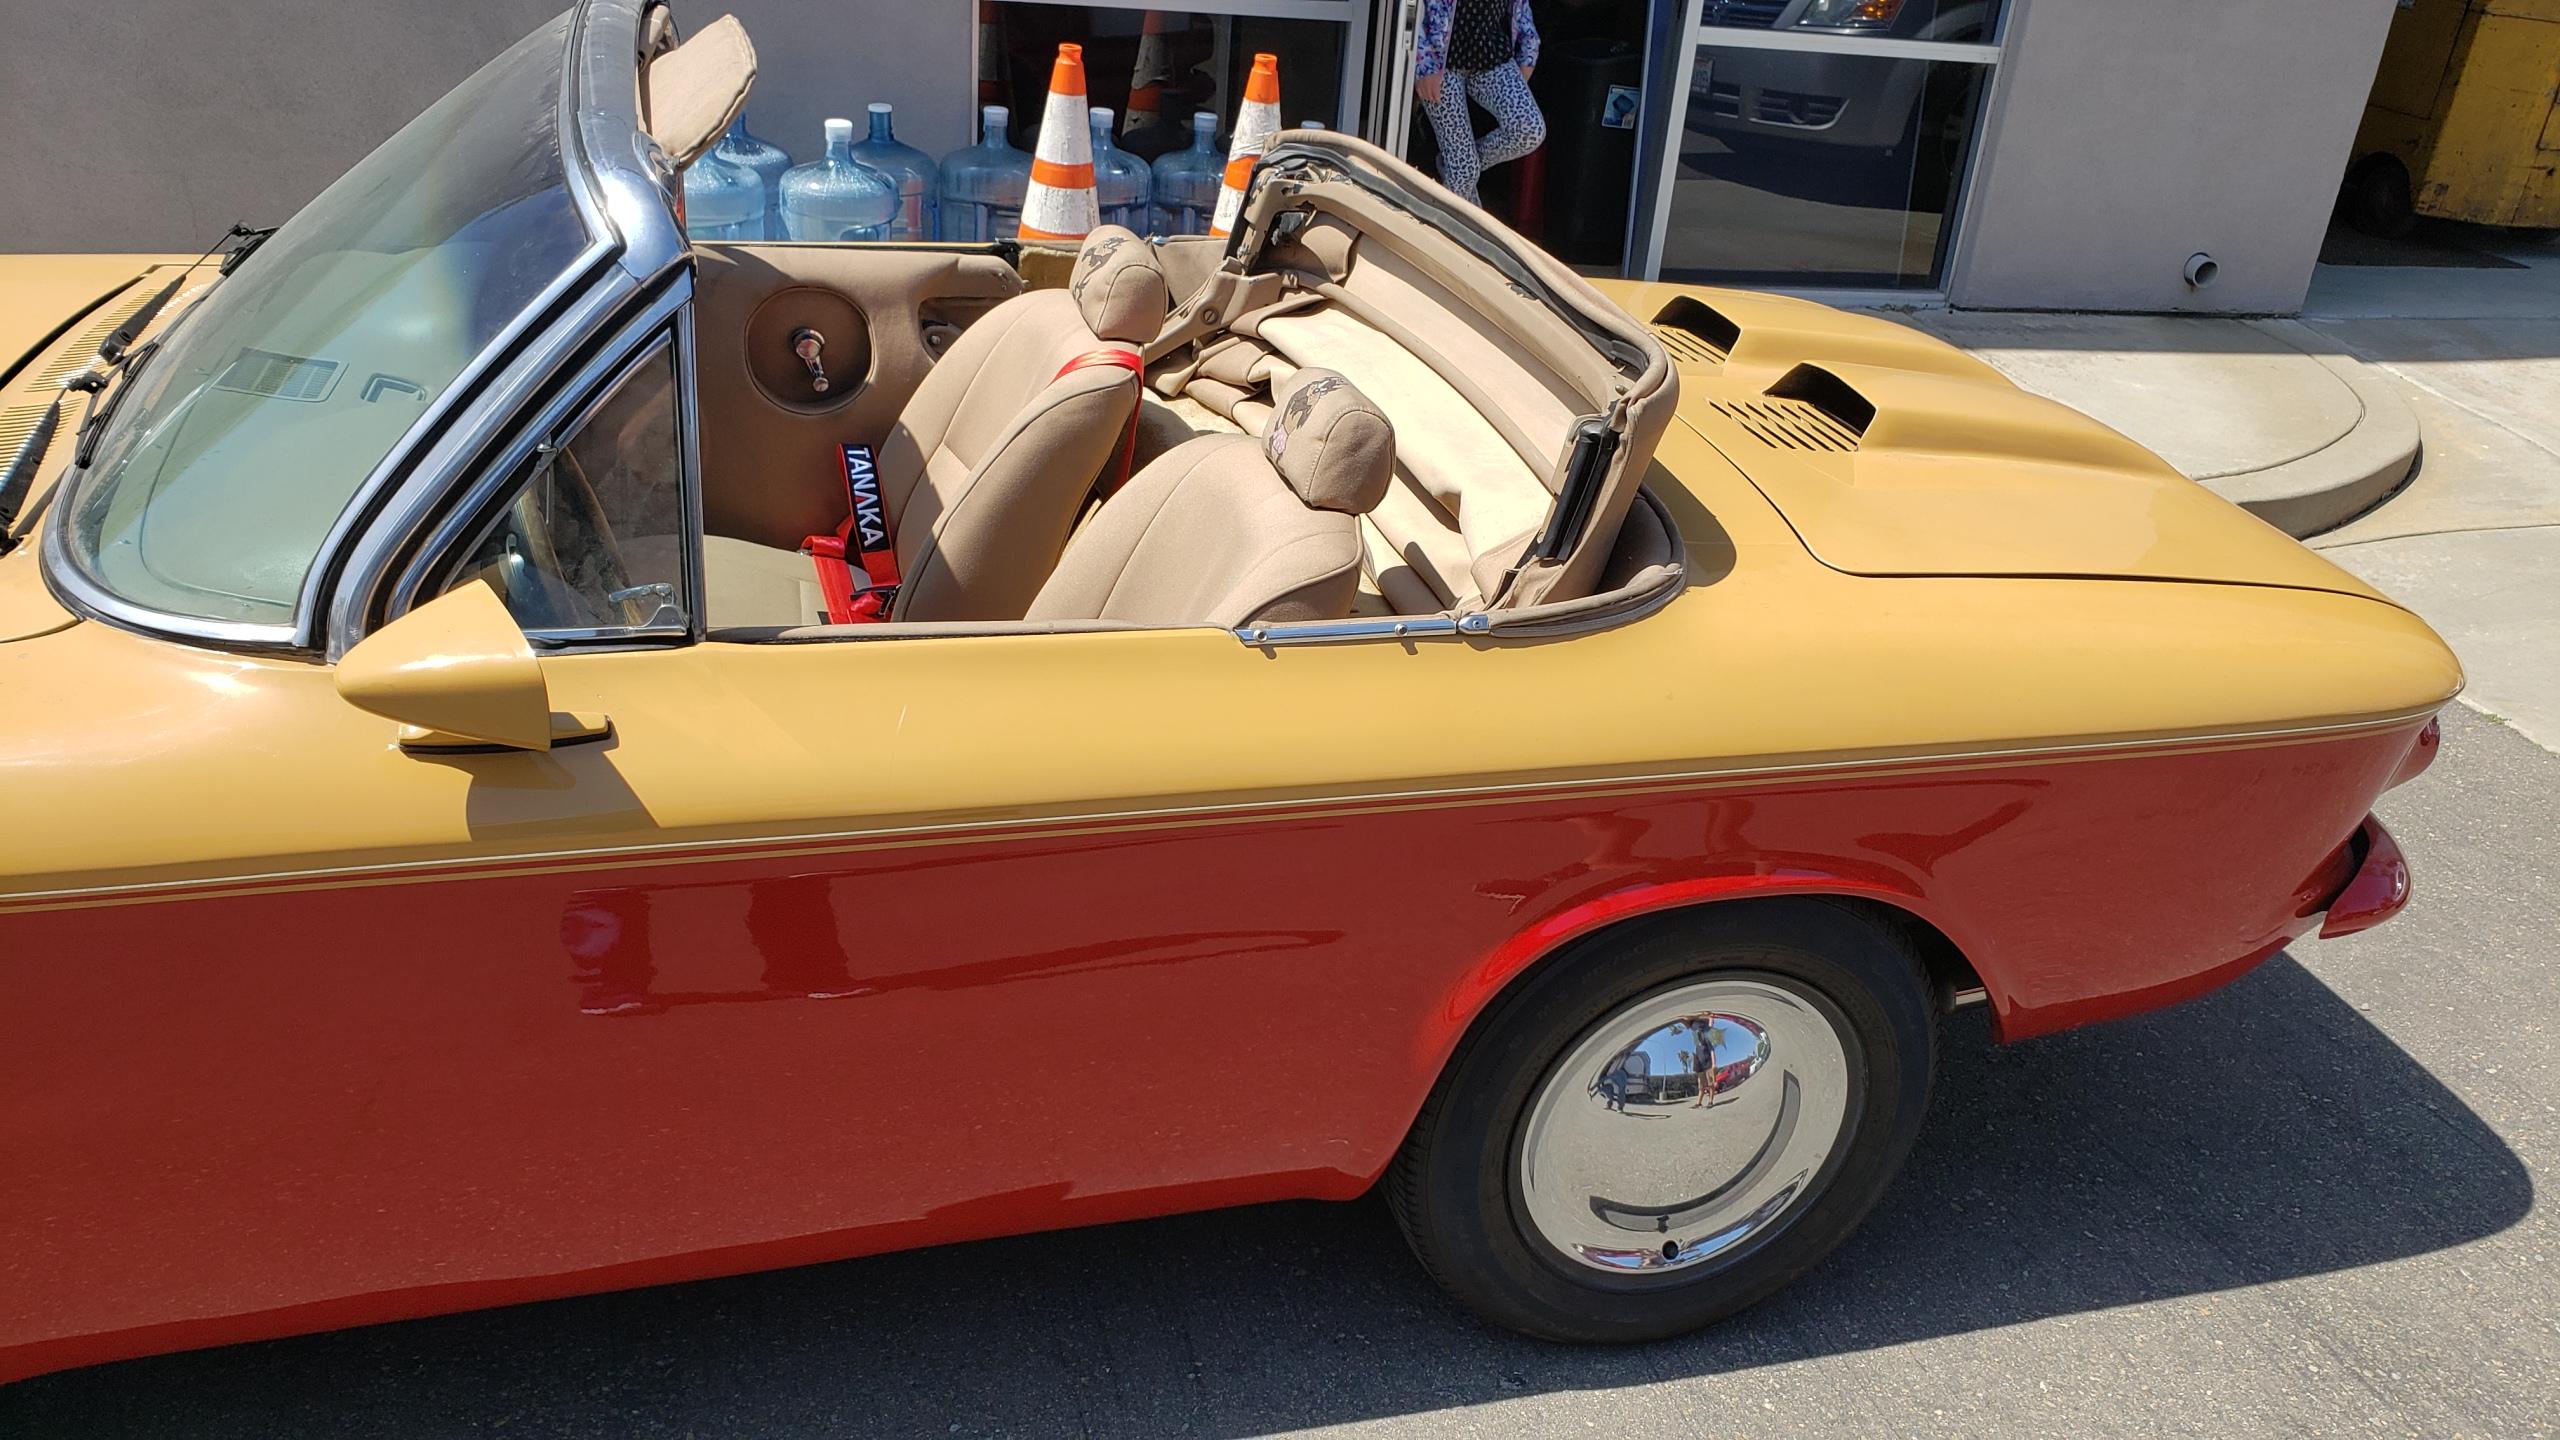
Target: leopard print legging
(1518,127)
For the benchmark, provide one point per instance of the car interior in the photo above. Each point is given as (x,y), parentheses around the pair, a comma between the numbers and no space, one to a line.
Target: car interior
(1371,402)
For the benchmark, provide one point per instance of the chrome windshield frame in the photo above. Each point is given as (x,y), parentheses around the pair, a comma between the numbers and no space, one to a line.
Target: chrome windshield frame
(458,514)
(622,186)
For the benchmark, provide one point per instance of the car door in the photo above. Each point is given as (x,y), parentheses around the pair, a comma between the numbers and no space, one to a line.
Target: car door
(830,947)
(919,936)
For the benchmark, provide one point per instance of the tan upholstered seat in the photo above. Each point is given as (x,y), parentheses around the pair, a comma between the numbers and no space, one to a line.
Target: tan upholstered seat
(1228,530)
(991,462)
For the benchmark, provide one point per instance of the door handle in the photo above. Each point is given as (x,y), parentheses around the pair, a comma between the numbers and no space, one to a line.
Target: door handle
(808,344)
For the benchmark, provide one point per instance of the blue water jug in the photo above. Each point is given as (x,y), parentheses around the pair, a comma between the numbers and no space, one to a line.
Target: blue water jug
(1187,181)
(836,197)
(722,201)
(983,185)
(1122,182)
(768,160)
(919,182)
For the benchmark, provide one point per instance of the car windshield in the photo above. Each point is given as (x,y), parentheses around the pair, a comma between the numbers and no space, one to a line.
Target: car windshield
(254,427)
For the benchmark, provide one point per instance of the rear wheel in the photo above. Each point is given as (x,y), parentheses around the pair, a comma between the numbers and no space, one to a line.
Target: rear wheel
(1672,1122)
(2376,197)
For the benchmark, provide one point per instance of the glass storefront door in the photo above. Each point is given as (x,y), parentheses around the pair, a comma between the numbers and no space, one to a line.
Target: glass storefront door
(1157,64)
(1811,142)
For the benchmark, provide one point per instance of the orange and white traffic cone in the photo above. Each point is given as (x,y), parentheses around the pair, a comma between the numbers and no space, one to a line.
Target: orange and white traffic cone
(1256,123)
(1147,77)
(1062,204)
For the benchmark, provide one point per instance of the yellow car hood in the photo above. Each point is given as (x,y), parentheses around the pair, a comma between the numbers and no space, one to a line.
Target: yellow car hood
(41,294)
(1891,452)
(54,311)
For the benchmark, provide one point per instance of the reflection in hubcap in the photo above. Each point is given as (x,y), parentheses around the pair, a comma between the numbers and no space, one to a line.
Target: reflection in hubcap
(1684,1125)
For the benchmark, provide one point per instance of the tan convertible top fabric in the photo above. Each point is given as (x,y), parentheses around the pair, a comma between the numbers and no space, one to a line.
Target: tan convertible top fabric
(1529,366)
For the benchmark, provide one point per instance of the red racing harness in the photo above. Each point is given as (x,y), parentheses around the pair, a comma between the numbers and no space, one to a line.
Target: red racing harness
(869,539)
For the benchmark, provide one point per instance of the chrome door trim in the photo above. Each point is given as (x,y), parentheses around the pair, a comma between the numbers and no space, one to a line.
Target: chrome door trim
(372,551)
(1410,627)
(634,343)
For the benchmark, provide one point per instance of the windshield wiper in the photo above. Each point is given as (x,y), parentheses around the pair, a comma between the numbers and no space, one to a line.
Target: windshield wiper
(250,238)
(113,347)
(21,471)
(94,424)
(118,361)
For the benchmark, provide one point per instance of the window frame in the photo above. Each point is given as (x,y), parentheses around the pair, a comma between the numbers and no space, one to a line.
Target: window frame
(662,334)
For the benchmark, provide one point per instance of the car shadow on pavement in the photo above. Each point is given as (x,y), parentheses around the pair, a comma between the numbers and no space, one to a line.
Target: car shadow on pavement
(2262,1133)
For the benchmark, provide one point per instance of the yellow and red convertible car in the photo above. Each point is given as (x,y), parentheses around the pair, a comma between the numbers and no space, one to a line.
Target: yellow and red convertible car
(531,748)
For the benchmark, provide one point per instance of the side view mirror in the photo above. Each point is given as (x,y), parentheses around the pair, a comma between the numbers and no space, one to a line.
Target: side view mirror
(457,673)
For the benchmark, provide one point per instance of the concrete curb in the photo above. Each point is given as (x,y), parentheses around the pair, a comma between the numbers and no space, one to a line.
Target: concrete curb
(2271,414)
(2344,478)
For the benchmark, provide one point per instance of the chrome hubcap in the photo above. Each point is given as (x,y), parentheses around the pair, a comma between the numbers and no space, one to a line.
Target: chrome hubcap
(1685,1125)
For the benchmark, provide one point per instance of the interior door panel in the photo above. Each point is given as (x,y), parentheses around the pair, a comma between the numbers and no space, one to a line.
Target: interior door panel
(768,432)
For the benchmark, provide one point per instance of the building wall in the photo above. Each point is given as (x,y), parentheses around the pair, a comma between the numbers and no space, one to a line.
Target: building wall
(154,124)
(2123,137)
(2127,137)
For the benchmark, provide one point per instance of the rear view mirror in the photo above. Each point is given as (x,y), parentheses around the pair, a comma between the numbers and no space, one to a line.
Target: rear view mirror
(457,672)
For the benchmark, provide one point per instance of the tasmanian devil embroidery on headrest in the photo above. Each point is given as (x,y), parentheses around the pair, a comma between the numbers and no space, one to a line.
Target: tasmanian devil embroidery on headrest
(1097,254)
(1301,405)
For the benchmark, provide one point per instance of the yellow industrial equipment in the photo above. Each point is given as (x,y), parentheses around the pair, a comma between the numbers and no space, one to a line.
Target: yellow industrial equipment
(2464,120)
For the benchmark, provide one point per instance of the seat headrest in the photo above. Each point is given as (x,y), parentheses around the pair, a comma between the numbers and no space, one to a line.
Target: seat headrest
(1336,450)
(692,92)
(1119,286)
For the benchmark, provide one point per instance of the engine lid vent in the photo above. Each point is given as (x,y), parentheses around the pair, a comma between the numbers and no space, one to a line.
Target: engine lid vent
(1695,332)
(1810,408)
(1788,424)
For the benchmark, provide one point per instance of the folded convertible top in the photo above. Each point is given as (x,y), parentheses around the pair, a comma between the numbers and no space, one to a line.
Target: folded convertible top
(1576,387)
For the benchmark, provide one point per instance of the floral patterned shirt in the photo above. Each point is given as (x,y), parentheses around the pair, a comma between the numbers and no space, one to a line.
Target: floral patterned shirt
(1434,42)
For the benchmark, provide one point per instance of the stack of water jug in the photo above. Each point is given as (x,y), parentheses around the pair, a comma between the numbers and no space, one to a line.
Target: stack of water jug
(746,188)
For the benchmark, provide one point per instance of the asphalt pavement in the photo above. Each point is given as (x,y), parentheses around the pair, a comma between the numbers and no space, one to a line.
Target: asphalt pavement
(2304,1205)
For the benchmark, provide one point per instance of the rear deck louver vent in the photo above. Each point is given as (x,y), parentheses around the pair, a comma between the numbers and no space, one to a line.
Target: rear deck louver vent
(1788,424)
(1695,332)
(1808,409)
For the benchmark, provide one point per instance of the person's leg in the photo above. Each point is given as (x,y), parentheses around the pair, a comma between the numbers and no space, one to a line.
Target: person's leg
(1518,127)
(1456,131)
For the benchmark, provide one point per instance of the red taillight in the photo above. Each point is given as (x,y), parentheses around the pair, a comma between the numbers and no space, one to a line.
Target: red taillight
(2379,888)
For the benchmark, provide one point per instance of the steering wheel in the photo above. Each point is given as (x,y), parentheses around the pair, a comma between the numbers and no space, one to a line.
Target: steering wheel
(609,573)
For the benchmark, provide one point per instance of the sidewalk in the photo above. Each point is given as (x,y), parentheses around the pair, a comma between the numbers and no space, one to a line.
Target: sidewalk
(2408,426)
(2473,543)
(2268,413)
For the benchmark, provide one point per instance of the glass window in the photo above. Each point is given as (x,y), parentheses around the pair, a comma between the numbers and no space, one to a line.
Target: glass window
(1818,167)
(222,472)
(1155,67)
(1953,21)
(594,538)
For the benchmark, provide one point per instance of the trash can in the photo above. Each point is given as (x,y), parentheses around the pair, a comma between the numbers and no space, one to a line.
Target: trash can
(1589,89)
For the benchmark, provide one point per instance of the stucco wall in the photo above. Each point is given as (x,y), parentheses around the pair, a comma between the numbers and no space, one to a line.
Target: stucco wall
(154,124)
(2128,137)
